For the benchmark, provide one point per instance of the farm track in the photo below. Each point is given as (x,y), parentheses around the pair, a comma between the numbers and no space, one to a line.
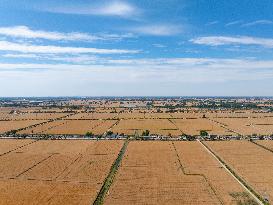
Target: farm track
(111,176)
(239,179)
(201,175)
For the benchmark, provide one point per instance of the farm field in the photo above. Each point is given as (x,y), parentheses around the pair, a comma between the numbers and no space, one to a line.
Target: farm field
(155,126)
(173,124)
(32,116)
(74,127)
(194,126)
(43,128)
(253,163)
(196,160)
(150,174)
(95,115)
(266,143)
(56,172)
(237,114)
(13,125)
(249,126)
(8,145)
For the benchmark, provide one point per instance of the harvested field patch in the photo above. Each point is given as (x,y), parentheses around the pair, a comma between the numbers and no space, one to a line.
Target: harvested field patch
(249,126)
(56,172)
(251,162)
(94,116)
(43,128)
(155,126)
(14,125)
(34,116)
(196,160)
(266,143)
(7,145)
(150,174)
(194,126)
(76,127)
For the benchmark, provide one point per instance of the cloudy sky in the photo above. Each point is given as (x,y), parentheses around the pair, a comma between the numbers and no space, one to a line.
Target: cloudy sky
(136,48)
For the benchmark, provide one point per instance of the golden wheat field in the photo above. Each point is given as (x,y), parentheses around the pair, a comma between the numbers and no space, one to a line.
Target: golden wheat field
(253,163)
(155,126)
(150,174)
(54,172)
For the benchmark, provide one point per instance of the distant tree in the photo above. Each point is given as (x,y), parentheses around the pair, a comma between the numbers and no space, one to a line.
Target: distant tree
(109,132)
(12,132)
(146,133)
(89,134)
(203,133)
(184,135)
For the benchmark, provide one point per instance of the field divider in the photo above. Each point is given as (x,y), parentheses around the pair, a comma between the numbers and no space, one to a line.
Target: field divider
(239,179)
(18,148)
(41,161)
(195,174)
(170,120)
(262,146)
(111,176)
(224,126)
(67,167)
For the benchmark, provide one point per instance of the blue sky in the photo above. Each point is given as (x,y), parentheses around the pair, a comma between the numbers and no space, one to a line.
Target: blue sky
(128,48)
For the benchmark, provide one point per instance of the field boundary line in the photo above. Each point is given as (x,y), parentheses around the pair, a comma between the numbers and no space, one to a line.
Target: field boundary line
(111,176)
(262,146)
(224,126)
(170,120)
(18,148)
(41,161)
(67,167)
(201,175)
(242,182)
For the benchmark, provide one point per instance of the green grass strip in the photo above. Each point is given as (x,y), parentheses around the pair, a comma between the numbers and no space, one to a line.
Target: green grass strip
(111,176)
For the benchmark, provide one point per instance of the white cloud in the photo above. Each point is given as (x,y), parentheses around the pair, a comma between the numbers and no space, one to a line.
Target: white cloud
(12,55)
(163,69)
(259,22)
(234,23)
(159,45)
(108,8)
(212,23)
(240,40)
(157,30)
(29,48)
(25,32)
(139,77)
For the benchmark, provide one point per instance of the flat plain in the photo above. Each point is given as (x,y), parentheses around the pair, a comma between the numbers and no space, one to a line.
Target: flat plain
(251,162)
(55,172)
(150,174)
